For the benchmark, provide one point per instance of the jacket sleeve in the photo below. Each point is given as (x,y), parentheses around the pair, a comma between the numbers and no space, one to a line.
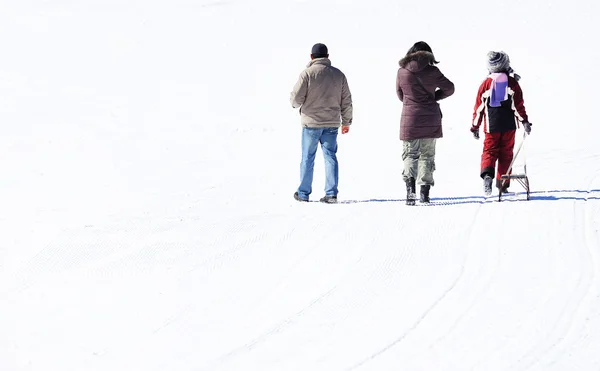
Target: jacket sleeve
(446,87)
(346,106)
(298,95)
(478,112)
(519,103)
(399,91)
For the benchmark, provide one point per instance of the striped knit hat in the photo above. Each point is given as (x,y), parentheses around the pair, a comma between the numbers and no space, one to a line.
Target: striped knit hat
(500,62)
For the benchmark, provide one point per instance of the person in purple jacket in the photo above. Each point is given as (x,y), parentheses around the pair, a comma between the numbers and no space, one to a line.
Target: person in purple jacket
(420,85)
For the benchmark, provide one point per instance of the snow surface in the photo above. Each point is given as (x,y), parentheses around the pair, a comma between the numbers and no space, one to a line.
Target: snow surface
(148,157)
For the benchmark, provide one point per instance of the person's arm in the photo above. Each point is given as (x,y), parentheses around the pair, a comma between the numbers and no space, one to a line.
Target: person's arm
(479,109)
(398,87)
(445,87)
(519,103)
(298,95)
(346,106)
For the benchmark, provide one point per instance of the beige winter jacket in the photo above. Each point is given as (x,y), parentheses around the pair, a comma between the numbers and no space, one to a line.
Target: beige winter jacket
(323,95)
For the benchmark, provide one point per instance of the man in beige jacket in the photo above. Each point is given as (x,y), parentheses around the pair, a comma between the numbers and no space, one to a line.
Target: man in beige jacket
(325,103)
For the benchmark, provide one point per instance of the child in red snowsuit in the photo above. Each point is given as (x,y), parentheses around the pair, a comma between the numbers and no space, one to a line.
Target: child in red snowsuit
(499,105)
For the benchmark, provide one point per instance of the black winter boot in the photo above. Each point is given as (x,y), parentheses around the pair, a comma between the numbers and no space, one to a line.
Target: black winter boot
(411,191)
(425,194)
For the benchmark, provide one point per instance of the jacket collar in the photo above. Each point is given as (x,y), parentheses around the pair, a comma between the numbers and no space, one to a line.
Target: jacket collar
(321,61)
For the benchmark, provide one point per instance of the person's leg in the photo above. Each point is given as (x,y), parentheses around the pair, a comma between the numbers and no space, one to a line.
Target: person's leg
(410,158)
(489,157)
(329,148)
(505,157)
(491,151)
(426,168)
(310,142)
(426,163)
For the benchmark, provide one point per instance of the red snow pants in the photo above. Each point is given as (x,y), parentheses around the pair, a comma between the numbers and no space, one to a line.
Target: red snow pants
(497,147)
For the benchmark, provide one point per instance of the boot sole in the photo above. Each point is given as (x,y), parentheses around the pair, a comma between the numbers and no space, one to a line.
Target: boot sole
(328,202)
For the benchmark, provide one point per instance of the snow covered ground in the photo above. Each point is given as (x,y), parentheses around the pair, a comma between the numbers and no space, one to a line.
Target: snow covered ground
(148,157)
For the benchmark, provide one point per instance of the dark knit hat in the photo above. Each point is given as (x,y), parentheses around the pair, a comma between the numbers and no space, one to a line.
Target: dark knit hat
(319,51)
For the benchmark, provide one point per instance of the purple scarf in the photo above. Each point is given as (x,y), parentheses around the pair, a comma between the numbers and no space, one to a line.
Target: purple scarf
(499,89)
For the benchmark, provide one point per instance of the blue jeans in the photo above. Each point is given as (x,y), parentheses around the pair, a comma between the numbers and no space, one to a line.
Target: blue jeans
(311,138)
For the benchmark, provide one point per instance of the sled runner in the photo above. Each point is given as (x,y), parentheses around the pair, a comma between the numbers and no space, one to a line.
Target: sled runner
(522,178)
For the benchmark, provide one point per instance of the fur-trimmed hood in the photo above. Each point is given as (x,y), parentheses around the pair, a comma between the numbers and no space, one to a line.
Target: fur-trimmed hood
(417,61)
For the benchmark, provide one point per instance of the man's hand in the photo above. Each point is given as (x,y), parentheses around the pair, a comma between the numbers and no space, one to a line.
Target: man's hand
(345,129)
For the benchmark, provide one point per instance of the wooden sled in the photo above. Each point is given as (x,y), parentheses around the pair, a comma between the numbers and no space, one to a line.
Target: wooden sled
(522,178)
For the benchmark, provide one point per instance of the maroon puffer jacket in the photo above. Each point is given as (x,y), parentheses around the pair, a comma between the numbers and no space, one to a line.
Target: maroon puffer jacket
(420,85)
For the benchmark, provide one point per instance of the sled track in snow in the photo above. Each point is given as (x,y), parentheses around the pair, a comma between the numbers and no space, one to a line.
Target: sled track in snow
(433,306)
(590,261)
(280,326)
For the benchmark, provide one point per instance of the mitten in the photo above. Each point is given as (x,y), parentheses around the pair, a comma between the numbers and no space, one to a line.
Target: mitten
(527,127)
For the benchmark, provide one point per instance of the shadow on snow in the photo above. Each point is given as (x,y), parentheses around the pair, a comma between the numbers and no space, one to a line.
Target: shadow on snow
(554,195)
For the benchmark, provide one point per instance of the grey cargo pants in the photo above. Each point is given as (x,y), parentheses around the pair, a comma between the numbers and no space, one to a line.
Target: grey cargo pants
(419,160)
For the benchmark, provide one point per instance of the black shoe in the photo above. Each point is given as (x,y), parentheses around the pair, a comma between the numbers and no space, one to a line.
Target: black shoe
(329,199)
(411,195)
(297,198)
(487,185)
(425,194)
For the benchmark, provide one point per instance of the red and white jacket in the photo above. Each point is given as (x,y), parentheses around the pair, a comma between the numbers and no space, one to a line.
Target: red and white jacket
(503,118)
